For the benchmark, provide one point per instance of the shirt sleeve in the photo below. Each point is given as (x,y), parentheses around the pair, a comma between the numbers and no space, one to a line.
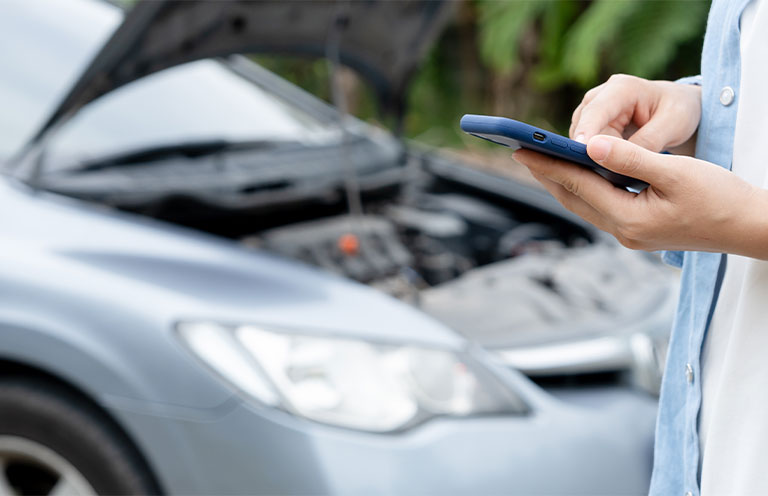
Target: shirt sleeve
(675,258)
(690,80)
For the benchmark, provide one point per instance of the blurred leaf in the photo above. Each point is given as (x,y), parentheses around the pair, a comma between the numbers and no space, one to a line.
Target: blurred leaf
(650,38)
(591,34)
(502,24)
(558,16)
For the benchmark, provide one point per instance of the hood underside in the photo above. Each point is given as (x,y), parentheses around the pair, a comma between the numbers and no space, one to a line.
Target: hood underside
(383,40)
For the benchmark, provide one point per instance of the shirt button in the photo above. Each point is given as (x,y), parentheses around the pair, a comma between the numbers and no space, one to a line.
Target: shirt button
(726,96)
(688,493)
(688,373)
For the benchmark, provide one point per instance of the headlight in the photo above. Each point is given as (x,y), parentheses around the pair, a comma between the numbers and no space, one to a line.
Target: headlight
(348,382)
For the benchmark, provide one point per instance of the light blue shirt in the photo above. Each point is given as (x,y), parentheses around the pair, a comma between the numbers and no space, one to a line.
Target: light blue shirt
(676,456)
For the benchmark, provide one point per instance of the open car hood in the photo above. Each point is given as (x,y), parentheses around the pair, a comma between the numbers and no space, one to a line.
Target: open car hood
(383,40)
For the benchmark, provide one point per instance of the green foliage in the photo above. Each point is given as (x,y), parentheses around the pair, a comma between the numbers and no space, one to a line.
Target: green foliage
(531,60)
(436,93)
(658,28)
(585,41)
(503,24)
(551,51)
(581,42)
(554,26)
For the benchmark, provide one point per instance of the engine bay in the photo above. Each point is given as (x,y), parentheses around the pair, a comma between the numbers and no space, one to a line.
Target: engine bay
(402,249)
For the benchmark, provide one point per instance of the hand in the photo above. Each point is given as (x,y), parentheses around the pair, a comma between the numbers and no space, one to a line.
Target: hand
(664,114)
(690,204)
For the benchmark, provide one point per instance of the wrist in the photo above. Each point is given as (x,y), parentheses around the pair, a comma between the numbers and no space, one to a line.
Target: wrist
(750,237)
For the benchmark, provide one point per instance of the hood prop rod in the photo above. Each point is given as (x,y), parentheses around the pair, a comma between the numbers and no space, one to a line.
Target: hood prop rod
(332,54)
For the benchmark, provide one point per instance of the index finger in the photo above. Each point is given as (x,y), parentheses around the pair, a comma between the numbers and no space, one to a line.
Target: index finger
(610,104)
(576,116)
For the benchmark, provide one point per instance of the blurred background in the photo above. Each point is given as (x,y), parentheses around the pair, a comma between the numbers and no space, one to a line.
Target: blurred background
(214,280)
(529,60)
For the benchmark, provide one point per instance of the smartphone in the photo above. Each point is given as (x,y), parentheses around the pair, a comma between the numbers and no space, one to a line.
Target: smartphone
(516,134)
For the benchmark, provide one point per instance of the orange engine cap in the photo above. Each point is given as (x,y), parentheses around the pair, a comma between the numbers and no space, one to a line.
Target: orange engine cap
(349,244)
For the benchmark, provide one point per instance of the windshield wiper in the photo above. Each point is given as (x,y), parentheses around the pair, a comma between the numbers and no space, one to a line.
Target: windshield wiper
(191,149)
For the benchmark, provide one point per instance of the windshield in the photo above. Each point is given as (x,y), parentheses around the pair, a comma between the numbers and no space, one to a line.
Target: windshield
(46,44)
(199,101)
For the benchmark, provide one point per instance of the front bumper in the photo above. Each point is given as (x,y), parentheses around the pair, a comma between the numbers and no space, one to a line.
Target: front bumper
(636,347)
(599,447)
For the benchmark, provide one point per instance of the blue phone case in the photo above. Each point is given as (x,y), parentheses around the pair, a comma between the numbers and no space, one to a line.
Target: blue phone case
(515,134)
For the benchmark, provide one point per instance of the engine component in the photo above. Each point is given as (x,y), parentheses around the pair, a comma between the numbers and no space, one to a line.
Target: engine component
(402,248)
(435,224)
(471,209)
(328,243)
(518,240)
(550,295)
(565,316)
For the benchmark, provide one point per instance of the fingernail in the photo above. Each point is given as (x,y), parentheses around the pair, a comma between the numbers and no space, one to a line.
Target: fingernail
(579,138)
(599,148)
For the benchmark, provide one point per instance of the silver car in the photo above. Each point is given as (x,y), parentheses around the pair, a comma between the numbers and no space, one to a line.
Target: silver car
(188,306)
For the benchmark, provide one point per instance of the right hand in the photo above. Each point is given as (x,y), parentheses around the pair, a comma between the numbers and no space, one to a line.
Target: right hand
(657,115)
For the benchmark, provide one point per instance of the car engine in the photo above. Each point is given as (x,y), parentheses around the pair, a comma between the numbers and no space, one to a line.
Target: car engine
(403,249)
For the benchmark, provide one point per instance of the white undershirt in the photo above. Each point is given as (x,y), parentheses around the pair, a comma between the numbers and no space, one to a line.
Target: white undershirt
(733,423)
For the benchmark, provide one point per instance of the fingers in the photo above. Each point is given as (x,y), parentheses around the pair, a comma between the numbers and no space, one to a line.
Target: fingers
(576,117)
(632,160)
(574,203)
(612,107)
(574,121)
(608,200)
(652,135)
(665,113)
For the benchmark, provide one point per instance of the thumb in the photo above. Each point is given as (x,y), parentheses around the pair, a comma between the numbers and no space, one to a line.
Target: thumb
(627,158)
